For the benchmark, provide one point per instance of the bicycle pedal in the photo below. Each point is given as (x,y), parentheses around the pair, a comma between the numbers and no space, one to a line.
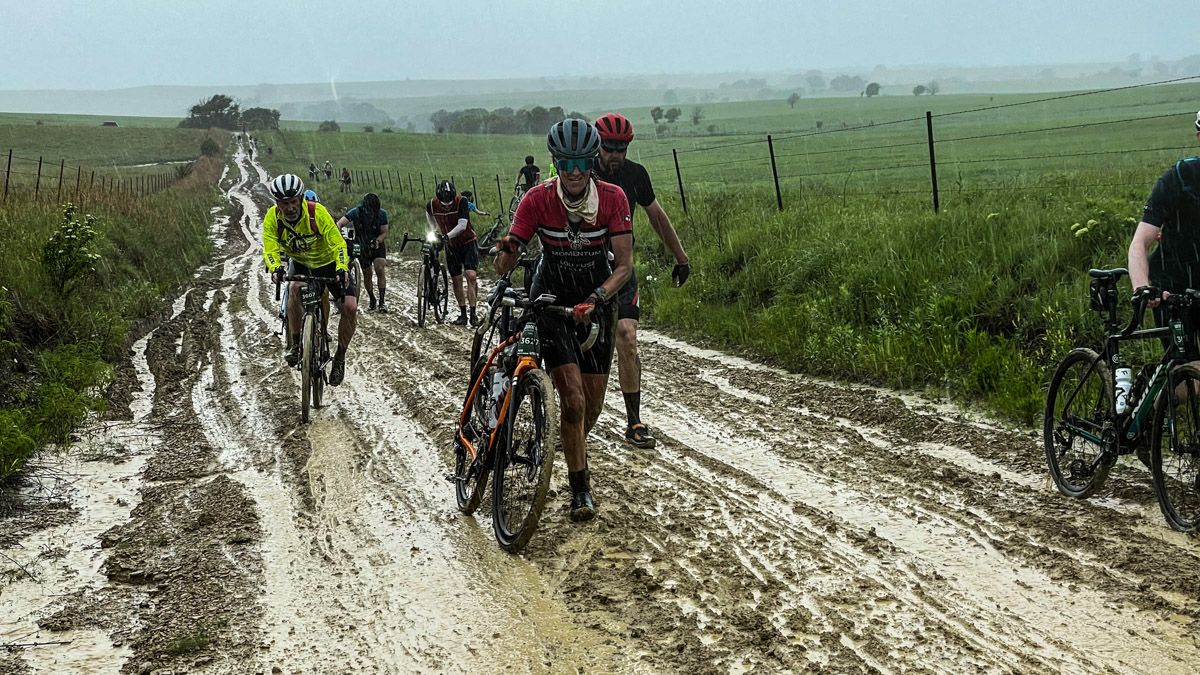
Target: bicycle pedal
(451,478)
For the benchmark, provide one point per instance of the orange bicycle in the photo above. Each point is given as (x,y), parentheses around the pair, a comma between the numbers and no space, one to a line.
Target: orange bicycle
(509,421)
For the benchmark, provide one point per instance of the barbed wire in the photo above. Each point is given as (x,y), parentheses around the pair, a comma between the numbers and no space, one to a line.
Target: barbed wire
(1060,128)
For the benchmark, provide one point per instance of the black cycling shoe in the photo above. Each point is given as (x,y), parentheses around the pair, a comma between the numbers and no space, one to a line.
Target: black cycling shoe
(337,371)
(292,355)
(460,321)
(639,435)
(582,507)
(382,308)
(371,307)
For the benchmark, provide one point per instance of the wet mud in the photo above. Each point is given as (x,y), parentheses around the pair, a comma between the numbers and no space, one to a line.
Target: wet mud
(781,523)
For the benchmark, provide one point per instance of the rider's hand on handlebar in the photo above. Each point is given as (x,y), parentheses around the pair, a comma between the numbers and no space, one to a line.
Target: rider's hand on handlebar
(583,311)
(278,275)
(1154,295)
(508,244)
(343,280)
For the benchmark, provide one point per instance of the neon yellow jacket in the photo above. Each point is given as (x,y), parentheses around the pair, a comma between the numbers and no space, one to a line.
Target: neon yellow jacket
(313,242)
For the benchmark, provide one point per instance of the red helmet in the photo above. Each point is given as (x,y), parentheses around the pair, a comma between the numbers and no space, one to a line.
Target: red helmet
(614,127)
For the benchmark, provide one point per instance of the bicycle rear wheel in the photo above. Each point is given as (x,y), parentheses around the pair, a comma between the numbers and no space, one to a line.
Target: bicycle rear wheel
(308,348)
(1077,423)
(524,461)
(512,207)
(422,286)
(1175,450)
(468,493)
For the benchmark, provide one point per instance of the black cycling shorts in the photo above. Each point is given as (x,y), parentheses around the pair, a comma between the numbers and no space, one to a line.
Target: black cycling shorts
(369,255)
(330,270)
(462,257)
(628,306)
(561,336)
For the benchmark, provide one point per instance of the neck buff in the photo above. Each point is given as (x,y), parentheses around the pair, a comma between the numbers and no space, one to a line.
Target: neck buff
(586,207)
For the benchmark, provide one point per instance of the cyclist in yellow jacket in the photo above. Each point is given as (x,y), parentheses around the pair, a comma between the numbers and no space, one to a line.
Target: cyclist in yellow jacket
(316,248)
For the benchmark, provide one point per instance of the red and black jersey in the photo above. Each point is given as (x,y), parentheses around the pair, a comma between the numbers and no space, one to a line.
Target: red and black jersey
(447,216)
(574,255)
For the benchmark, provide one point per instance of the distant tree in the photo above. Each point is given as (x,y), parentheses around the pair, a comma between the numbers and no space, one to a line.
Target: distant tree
(815,79)
(933,87)
(370,129)
(697,115)
(918,90)
(847,83)
(872,89)
(329,125)
(672,114)
(387,130)
(712,128)
(260,119)
(662,130)
(219,111)
(820,124)
(670,97)
(793,99)
(209,148)
(656,114)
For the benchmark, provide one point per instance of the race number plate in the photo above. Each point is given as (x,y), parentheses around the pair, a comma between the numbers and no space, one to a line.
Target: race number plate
(529,344)
(310,294)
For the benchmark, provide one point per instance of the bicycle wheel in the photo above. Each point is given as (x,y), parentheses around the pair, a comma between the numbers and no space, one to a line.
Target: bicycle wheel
(524,461)
(308,348)
(318,369)
(512,207)
(1176,467)
(422,286)
(469,493)
(442,296)
(1077,423)
(356,274)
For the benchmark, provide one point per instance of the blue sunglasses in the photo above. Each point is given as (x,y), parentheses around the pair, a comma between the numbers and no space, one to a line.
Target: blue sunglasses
(565,166)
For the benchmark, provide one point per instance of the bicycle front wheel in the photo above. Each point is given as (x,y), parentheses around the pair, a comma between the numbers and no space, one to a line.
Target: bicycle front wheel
(356,274)
(512,207)
(468,493)
(308,348)
(1175,450)
(524,461)
(1077,422)
(422,286)
(441,294)
(320,348)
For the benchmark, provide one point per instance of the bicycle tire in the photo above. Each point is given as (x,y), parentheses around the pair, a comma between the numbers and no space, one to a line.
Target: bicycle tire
(1176,472)
(356,275)
(524,461)
(318,372)
(422,285)
(512,207)
(442,284)
(1074,404)
(307,337)
(469,494)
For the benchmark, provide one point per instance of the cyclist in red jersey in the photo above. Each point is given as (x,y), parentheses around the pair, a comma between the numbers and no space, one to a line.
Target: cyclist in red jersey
(578,220)
(615,135)
(448,214)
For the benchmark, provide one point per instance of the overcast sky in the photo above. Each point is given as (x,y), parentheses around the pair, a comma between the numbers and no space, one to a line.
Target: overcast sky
(102,44)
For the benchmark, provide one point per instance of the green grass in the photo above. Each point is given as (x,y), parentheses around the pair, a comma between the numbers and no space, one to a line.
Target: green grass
(56,339)
(858,278)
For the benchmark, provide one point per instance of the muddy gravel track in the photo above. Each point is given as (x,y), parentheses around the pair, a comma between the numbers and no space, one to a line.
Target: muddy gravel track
(782,524)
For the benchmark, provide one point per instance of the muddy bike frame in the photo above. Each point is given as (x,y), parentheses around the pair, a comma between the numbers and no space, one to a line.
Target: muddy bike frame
(1120,433)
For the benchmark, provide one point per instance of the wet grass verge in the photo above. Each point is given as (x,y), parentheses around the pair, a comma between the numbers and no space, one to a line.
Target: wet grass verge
(76,278)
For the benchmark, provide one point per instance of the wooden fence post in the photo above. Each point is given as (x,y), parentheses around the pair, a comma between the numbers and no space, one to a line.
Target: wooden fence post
(932,161)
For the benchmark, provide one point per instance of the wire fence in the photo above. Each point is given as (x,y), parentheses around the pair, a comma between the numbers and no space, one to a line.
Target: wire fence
(39,180)
(789,170)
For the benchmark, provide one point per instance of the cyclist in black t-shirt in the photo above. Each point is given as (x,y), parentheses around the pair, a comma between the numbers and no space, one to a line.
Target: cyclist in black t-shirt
(529,175)
(371,229)
(615,135)
(1171,219)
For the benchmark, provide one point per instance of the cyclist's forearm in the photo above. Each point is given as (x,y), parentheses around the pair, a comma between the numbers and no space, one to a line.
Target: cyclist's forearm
(665,231)
(1144,239)
(459,228)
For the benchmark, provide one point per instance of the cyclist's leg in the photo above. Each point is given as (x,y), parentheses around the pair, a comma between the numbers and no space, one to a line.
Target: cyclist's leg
(629,365)
(348,308)
(569,383)
(379,263)
(454,265)
(470,262)
(367,270)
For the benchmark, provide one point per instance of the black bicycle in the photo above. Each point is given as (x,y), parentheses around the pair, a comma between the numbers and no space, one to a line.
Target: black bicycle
(509,422)
(314,341)
(1089,424)
(513,203)
(488,239)
(433,281)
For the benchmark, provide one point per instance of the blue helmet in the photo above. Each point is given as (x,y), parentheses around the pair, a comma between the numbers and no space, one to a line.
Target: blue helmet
(311,196)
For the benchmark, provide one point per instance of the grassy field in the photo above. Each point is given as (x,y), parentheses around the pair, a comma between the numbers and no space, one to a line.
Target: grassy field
(858,278)
(75,279)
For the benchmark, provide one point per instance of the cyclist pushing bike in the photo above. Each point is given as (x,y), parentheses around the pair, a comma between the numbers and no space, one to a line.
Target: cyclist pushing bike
(578,219)
(306,231)
(371,228)
(448,214)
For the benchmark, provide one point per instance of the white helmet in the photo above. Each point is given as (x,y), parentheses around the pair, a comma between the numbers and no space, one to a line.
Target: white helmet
(287,186)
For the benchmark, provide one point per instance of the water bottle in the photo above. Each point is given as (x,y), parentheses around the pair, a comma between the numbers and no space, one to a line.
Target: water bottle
(1124,385)
(499,385)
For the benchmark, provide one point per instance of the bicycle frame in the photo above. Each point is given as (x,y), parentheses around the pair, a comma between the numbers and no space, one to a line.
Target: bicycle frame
(525,363)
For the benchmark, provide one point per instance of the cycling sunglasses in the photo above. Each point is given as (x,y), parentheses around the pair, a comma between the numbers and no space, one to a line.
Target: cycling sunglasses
(615,146)
(566,166)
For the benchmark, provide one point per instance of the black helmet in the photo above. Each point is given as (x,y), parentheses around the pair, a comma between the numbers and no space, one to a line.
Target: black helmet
(529,159)
(371,201)
(573,139)
(445,192)
(467,195)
